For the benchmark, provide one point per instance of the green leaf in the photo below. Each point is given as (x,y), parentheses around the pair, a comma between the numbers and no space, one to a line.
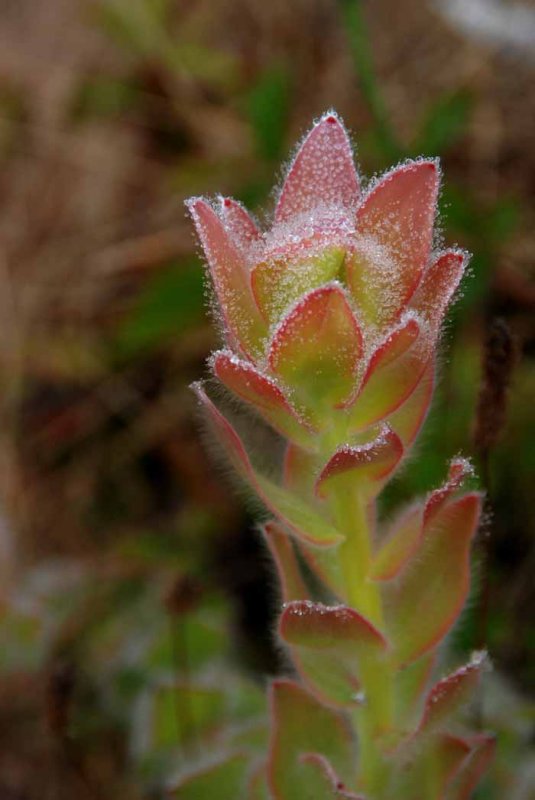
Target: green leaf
(445,122)
(300,726)
(182,713)
(103,96)
(223,780)
(172,302)
(327,644)
(267,108)
(424,602)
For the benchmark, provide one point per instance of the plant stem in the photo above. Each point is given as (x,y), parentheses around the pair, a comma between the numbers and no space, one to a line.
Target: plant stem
(374,718)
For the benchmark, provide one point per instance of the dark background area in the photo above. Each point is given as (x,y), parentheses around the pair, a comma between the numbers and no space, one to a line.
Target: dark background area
(114,520)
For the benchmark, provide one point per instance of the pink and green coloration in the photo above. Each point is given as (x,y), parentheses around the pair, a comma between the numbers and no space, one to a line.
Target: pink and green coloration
(331,322)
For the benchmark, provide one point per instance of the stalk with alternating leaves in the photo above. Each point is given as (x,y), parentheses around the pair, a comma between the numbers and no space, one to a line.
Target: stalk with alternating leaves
(331,321)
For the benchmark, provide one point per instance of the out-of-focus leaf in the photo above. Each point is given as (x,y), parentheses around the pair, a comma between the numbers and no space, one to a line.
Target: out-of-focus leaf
(302,725)
(183,712)
(192,643)
(267,107)
(203,63)
(124,23)
(223,780)
(503,219)
(444,123)
(172,302)
(103,96)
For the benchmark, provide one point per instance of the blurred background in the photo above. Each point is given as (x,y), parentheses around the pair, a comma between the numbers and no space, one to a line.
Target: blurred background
(136,599)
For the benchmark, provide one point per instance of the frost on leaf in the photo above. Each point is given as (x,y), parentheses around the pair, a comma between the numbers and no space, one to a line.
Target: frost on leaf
(361,469)
(394,237)
(438,286)
(409,529)
(277,284)
(230,276)
(303,521)
(327,643)
(450,694)
(243,379)
(323,171)
(425,600)
(393,372)
(316,350)
(240,226)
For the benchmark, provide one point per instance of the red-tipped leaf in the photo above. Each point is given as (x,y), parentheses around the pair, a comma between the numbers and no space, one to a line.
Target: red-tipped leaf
(262,392)
(239,224)
(408,419)
(425,600)
(438,286)
(449,694)
(322,172)
(327,643)
(316,349)
(301,725)
(395,227)
(230,278)
(393,372)
(328,783)
(303,521)
(282,550)
(363,468)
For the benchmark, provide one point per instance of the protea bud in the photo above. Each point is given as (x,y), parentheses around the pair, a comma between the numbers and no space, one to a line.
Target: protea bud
(331,321)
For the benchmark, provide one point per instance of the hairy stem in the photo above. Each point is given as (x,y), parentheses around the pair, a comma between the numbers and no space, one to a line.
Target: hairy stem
(374,718)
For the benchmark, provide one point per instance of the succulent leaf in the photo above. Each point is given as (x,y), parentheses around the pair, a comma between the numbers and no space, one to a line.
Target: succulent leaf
(438,286)
(327,644)
(231,280)
(276,285)
(323,171)
(223,779)
(244,380)
(300,518)
(239,224)
(362,468)
(449,694)
(302,725)
(406,532)
(395,227)
(393,372)
(423,603)
(280,545)
(328,784)
(316,350)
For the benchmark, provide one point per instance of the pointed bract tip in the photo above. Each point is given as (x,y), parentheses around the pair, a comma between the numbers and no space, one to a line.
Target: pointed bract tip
(197,207)
(198,389)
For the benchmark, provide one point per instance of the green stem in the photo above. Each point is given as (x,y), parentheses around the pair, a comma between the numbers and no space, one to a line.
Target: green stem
(374,718)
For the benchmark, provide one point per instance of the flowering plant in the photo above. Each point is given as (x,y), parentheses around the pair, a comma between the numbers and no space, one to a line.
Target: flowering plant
(331,321)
